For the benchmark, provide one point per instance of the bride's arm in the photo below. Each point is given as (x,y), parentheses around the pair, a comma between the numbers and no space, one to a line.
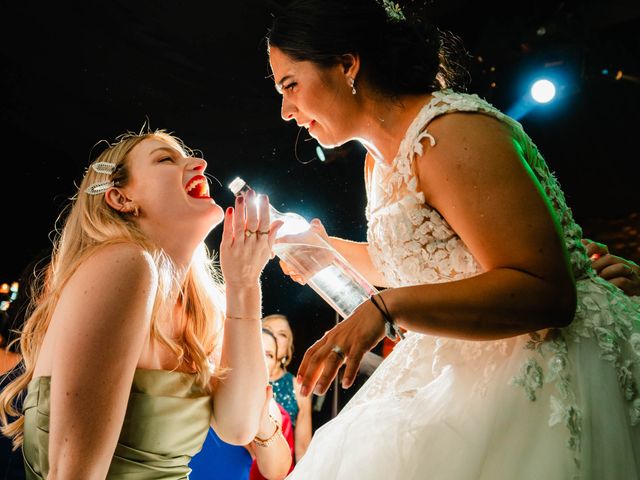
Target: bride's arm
(357,254)
(477,178)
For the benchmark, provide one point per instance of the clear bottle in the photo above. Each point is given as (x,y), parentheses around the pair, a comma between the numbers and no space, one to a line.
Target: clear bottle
(321,266)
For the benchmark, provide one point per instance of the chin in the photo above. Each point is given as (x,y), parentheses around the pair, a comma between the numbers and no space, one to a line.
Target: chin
(217,215)
(327,144)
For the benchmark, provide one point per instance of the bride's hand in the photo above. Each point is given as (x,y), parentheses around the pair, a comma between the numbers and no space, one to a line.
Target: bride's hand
(289,270)
(346,343)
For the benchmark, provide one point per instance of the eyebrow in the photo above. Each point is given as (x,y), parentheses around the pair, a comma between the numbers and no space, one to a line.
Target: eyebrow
(282,80)
(168,149)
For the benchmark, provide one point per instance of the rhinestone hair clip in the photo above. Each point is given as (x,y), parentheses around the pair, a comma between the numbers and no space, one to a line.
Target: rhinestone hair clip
(105,168)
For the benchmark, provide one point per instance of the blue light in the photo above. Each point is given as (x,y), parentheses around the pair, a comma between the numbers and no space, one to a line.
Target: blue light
(320,153)
(543,91)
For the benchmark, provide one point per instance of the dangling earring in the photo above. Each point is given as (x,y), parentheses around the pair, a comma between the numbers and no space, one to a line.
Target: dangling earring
(133,210)
(352,83)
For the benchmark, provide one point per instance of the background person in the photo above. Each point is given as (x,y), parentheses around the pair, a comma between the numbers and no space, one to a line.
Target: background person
(285,388)
(623,273)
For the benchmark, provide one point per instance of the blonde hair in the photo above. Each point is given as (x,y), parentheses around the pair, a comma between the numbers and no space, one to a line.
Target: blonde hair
(91,224)
(289,357)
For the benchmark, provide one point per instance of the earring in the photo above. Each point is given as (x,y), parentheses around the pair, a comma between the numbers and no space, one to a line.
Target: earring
(132,210)
(352,85)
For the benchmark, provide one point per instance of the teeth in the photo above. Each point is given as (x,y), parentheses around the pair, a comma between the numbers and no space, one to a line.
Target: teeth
(193,184)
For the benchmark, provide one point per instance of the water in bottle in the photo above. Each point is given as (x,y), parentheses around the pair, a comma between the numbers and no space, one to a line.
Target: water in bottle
(321,266)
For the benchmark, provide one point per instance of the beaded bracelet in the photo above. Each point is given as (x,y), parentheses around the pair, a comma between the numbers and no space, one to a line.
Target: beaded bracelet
(265,442)
(391,330)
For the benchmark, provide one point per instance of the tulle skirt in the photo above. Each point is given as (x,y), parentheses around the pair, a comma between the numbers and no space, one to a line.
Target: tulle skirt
(562,404)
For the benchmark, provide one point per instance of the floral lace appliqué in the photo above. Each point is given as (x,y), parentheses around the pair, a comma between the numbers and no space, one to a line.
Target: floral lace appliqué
(411,243)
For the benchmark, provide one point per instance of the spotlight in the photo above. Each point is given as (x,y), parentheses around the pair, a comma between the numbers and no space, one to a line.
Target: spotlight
(543,91)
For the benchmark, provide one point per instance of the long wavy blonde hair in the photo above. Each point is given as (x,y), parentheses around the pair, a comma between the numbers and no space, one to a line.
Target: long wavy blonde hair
(90,224)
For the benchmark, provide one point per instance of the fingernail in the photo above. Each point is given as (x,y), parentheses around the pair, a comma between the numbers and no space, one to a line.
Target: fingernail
(319,389)
(304,390)
(229,210)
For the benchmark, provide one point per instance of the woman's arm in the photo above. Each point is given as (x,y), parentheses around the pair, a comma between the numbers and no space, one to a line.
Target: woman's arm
(273,457)
(98,331)
(303,430)
(238,398)
(356,253)
(476,177)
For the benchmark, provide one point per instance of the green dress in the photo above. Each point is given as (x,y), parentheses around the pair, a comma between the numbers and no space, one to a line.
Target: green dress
(167,420)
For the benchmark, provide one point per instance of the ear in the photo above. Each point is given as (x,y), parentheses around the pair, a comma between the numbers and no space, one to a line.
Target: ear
(117,199)
(350,64)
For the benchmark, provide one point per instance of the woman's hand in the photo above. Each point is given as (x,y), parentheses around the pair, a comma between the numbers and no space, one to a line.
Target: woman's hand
(621,272)
(291,270)
(270,413)
(247,239)
(346,343)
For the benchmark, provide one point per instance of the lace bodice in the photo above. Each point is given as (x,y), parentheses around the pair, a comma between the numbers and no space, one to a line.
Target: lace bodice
(409,241)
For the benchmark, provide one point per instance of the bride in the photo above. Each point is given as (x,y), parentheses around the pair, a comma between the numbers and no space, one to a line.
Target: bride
(518,360)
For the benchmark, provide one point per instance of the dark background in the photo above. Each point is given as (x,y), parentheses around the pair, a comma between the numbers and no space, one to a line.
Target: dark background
(76,73)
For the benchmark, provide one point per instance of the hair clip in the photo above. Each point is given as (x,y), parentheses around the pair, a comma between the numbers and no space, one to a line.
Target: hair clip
(99,187)
(104,167)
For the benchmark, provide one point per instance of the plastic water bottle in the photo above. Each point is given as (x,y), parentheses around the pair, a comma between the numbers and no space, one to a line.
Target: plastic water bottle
(321,266)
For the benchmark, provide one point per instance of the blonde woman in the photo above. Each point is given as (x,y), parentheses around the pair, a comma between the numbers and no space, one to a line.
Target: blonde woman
(132,350)
(286,390)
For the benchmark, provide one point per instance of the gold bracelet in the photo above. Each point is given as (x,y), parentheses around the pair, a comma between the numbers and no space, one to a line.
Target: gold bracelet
(229,317)
(265,442)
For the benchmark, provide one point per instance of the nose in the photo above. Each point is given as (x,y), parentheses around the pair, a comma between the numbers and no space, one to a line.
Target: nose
(198,164)
(287,110)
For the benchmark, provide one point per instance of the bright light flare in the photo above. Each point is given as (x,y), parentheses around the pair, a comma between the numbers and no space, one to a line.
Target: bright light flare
(543,91)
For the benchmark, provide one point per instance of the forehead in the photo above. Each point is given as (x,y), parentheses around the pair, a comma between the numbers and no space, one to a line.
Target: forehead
(278,324)
(279,60)
(282,65)
(149,145)
(268,341)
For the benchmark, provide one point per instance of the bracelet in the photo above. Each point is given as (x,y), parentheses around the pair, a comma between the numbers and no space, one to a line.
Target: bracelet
(265,442)
(229,317)
(391,330)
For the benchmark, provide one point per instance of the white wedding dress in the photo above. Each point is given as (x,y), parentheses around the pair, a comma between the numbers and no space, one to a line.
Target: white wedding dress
(559,404)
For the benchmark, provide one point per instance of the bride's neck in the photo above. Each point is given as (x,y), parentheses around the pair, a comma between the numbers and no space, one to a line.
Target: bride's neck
(385,123)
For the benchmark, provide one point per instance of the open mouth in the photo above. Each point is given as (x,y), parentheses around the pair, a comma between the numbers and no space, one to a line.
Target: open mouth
(198,187)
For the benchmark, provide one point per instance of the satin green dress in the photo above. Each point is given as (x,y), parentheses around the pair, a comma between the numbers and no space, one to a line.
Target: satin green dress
(167,420)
